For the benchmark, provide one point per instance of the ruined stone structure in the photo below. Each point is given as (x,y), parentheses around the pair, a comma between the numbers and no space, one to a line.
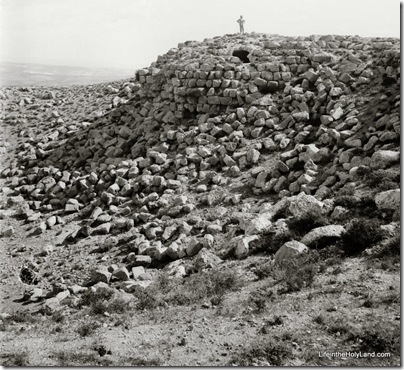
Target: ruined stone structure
(212,121)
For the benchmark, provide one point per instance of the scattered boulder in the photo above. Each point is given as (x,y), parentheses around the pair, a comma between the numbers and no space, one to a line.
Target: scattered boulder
(384,158)
(137,271)
(33,294)
(322,235)
(56,303)
(242,249)
(289,250)
(76,289)
(100,274)
(258,225)
(131,286)
(304,206)
(121,273)
(389,199)
(206,259)
(176,269)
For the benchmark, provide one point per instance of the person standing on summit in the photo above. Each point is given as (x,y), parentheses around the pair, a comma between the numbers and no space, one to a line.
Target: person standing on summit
(241,22)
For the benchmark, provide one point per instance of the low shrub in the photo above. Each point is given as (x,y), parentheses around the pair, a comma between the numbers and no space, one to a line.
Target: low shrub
(299,278)
(297,273)
(124,320)
(391,298)
(319,319)
(275,321)
(364,206)
(102,301)
(268,350)
(88,328)
(186,291)
(118,305)
(164,283)
(264,270)
(98,307)
(22,317)
(340,328)
(145,299)
(200,286)
(346,201)
(140,361)
(347,190)
(392,247)
(360,235)
(259,299)
(75,358)
(380,338)
(58,317)
(363,171)
(383,179)
(18,359)
(337,270)
(89,297)
(332,261)
(67,358)
(223,282)
(57,329)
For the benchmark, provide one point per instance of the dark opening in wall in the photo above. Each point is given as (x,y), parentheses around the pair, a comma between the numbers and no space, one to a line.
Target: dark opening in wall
(271,87)
(242,55)
(187,114)
(265,90)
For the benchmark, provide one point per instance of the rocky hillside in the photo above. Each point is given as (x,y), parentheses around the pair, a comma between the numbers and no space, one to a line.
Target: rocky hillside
(224,150)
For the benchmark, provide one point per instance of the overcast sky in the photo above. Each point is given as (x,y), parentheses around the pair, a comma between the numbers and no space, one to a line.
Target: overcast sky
(132,33)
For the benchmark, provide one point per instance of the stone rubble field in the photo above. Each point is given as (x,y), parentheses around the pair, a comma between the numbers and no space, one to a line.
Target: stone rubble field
(239,161)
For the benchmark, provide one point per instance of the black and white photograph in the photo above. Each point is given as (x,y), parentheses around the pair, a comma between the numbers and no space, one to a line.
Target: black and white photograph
(200,183)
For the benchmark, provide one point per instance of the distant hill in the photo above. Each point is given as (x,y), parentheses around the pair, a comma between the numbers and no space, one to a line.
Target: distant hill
(43,75)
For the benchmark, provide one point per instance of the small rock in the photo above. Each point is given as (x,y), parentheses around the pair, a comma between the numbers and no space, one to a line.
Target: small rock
(101,274)
(141,260)
(51,221)
(242,248)
(137,271)
(131,286)
(7,232)
(193,246)
(46,251)
(37,294)
(103,229)
(206,259)
(72,205)
(175,268)
(76,289)
(121,273)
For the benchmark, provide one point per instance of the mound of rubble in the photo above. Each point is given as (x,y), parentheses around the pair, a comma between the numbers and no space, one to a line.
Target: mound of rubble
(214,145)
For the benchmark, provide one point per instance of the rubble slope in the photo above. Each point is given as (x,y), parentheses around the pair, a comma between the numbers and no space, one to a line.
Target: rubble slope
(220,150)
